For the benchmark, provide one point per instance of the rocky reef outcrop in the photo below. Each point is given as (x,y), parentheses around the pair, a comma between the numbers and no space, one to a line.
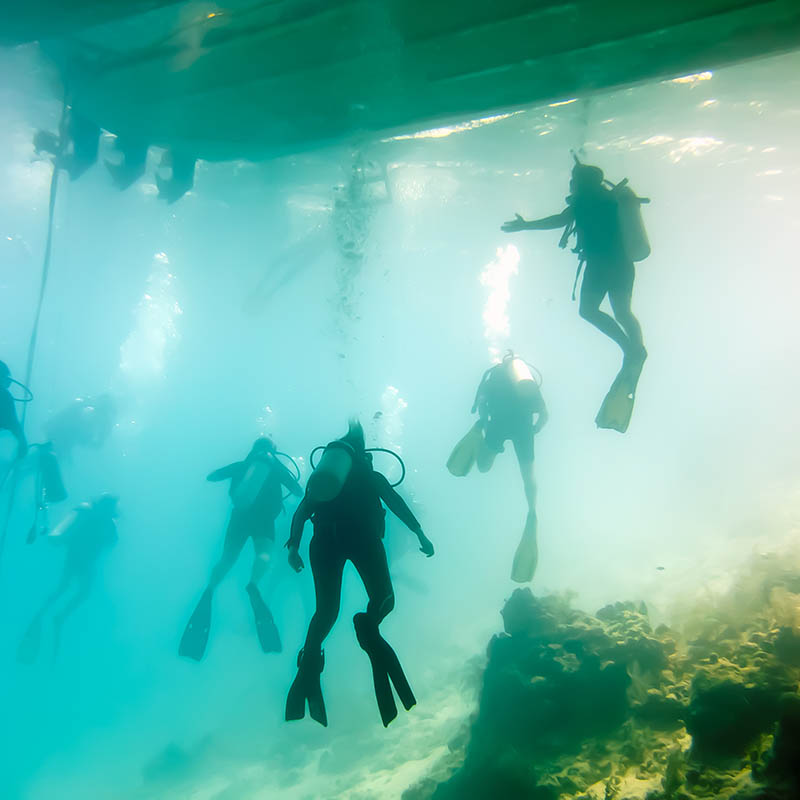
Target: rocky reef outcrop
(593,707)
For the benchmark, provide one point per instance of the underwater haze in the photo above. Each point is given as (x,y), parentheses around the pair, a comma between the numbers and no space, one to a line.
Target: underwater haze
(263,303)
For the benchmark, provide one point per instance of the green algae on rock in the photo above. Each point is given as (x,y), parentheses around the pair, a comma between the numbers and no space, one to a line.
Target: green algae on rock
(582,707)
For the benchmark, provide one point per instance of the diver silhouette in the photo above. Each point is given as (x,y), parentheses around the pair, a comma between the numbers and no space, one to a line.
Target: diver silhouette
(507,399)
(85,534)
(605,221)
(344,500)
(255,491)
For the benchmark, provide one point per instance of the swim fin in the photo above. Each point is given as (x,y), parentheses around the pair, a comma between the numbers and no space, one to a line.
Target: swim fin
(615,413)
(195,637)
(465,453)
(385,667)
(306,687)
(28,650)
(266,629)
(527,556)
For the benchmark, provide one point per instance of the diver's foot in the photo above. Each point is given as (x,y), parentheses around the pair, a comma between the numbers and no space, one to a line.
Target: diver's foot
(267,631)
(306,688)
(526,559)
(195,637)
(386,669)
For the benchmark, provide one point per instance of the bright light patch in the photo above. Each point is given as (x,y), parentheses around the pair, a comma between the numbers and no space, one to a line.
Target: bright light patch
(694,146)
(496,277)
(563,102)
(447,130)
(691,79)
(143,354)
(658,139)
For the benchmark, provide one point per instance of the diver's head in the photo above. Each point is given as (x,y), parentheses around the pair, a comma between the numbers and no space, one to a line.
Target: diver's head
(106,504)
(5,375)
(585,178)
(355,436)
(262,446)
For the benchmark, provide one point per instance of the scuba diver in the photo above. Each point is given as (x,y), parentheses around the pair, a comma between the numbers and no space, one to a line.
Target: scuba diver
(8,413)
(85,533)
(86,422)
(507,398)
(610,237)
(256,493)
(344,500)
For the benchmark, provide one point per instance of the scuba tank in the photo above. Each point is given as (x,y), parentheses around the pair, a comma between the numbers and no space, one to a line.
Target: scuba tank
(522,380)
(256,474)
(53,489)
(631,224)
(49,489)
(523,384)
(330,474)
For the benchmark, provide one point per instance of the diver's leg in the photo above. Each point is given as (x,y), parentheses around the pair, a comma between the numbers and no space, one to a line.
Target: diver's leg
(235,537)
(28,650)
(327,567)
(262,554)
(63,584)
(523,447)
(491,446)
(370,561)
(195,636)
(621,305)
(591,297)
(85,580)
(373,568)
(526,557)
(267,630)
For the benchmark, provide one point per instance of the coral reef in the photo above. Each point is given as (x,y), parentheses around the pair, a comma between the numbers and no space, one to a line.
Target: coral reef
(581,707)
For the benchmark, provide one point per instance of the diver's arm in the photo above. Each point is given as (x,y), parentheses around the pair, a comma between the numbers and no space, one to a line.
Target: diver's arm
(541,420)
(540,411)
(302,514)
(223,473)
(400,509)
(550,223)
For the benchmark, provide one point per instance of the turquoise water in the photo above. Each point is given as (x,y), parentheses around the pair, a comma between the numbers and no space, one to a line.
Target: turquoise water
(235,312)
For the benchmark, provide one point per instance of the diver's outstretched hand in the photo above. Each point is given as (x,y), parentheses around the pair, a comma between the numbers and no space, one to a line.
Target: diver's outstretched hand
(295,561)
(425,544)
(514,225)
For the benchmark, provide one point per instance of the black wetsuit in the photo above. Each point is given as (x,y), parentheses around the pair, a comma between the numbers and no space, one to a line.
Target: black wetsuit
(350,528)
(608,268)
(507,415)
(257,520)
